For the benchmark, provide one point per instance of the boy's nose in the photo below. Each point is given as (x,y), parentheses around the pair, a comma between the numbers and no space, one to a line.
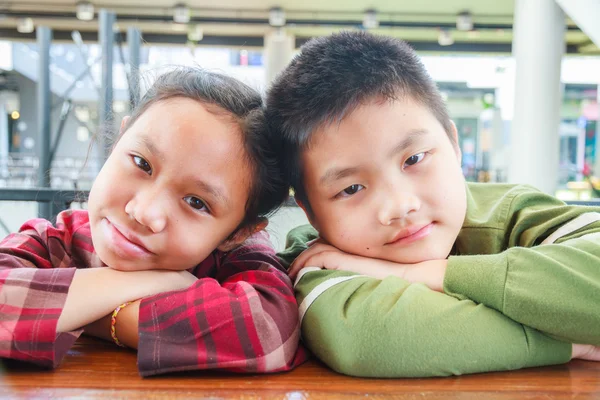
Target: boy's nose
(397,204)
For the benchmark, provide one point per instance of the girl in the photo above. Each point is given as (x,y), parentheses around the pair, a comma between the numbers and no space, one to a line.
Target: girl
(172,241)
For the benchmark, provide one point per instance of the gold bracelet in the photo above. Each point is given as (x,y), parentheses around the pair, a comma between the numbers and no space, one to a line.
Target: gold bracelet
(113,322)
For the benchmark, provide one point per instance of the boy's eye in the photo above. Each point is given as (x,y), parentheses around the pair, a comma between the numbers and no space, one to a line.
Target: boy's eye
(412,160)
(142,164)
(351,190)
(195,203)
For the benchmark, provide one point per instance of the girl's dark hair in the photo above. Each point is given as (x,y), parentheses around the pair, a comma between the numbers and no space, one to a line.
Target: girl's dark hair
(231,98)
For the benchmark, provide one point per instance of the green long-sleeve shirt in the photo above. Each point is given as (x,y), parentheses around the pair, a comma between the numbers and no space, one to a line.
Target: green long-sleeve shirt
(522,283)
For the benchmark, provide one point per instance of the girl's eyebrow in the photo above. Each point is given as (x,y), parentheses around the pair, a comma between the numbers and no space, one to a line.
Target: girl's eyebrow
(147,142)
(212,190)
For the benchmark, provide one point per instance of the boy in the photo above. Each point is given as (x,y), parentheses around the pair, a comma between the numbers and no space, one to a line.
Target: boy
(372,155)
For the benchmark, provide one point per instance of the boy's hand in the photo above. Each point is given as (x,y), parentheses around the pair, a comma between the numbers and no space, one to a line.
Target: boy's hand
(586,352)
(322,255)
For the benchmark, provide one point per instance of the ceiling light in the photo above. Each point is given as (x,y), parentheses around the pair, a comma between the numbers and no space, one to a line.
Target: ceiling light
(24,25)
(464,21)
(85,11)
(276,16)
(181,13)
(370,20)
(445,38)
(196,34)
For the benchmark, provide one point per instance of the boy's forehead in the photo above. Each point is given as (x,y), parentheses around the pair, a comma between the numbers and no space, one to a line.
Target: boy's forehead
(382,127)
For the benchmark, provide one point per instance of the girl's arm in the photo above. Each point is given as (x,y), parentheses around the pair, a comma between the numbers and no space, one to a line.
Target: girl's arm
(244,320)
(44,299)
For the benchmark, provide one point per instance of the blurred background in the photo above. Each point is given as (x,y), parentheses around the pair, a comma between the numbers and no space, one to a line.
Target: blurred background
(520,78)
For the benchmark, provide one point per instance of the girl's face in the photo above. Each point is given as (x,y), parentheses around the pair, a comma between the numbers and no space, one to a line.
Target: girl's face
(173,189)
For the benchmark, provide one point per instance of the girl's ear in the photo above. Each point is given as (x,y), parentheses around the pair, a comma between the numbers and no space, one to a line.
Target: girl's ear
(241,235)
(123,124)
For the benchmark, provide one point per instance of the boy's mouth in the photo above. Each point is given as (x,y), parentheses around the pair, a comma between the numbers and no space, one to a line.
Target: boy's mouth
(411,234)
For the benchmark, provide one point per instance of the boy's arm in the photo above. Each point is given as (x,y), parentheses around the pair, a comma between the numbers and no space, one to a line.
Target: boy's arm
(389,328)
(549,278)
(245,320)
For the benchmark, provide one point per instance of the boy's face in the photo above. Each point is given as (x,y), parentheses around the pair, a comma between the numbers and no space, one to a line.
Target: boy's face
(386,183)
(173,189)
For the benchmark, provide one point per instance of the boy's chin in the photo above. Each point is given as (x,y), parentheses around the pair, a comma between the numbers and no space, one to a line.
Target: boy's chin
(415,258)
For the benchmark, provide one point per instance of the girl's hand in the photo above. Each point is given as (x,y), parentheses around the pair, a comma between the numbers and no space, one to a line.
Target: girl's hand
(95,292)
(586,352)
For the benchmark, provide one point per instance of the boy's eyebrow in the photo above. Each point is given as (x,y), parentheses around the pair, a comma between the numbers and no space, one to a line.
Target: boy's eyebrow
(412,136)
(333,174)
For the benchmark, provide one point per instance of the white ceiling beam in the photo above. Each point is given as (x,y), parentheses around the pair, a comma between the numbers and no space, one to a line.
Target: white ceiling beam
(585,14)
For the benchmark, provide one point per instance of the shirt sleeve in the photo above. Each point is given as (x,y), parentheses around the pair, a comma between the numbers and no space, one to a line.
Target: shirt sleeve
(243,320)
(33,288)
(549,275)
(367,327)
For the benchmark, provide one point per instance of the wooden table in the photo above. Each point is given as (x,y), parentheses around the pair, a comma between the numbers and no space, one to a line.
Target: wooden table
(94,369)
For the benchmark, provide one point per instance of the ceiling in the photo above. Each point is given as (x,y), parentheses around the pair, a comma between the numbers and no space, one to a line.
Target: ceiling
(245,22)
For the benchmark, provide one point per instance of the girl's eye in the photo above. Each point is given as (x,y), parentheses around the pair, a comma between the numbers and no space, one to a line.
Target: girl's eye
(351,190)
(195,203)
(412,160)
(142,164)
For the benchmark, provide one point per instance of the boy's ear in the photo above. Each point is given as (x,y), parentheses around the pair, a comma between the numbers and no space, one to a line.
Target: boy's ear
(241,235)
(454,134)
(124,124)
(309,215)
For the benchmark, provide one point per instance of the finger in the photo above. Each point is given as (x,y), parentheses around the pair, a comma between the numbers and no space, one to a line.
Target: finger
(293,271)
(298,263)
(301,259)
(325,259)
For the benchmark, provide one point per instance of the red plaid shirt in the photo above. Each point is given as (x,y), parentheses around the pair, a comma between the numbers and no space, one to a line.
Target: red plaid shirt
(241,315)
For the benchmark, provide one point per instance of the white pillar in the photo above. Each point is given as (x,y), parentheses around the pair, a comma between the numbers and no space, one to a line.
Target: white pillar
(538,46)
(279,50)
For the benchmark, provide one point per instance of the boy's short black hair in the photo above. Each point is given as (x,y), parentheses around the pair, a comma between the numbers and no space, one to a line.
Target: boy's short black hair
(330,78)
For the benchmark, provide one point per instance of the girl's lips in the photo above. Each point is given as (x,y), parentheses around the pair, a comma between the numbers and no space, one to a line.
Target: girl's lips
(411,235)
(123,242)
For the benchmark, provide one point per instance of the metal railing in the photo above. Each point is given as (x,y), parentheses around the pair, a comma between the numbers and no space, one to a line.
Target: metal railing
(58,200)
(61,200)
